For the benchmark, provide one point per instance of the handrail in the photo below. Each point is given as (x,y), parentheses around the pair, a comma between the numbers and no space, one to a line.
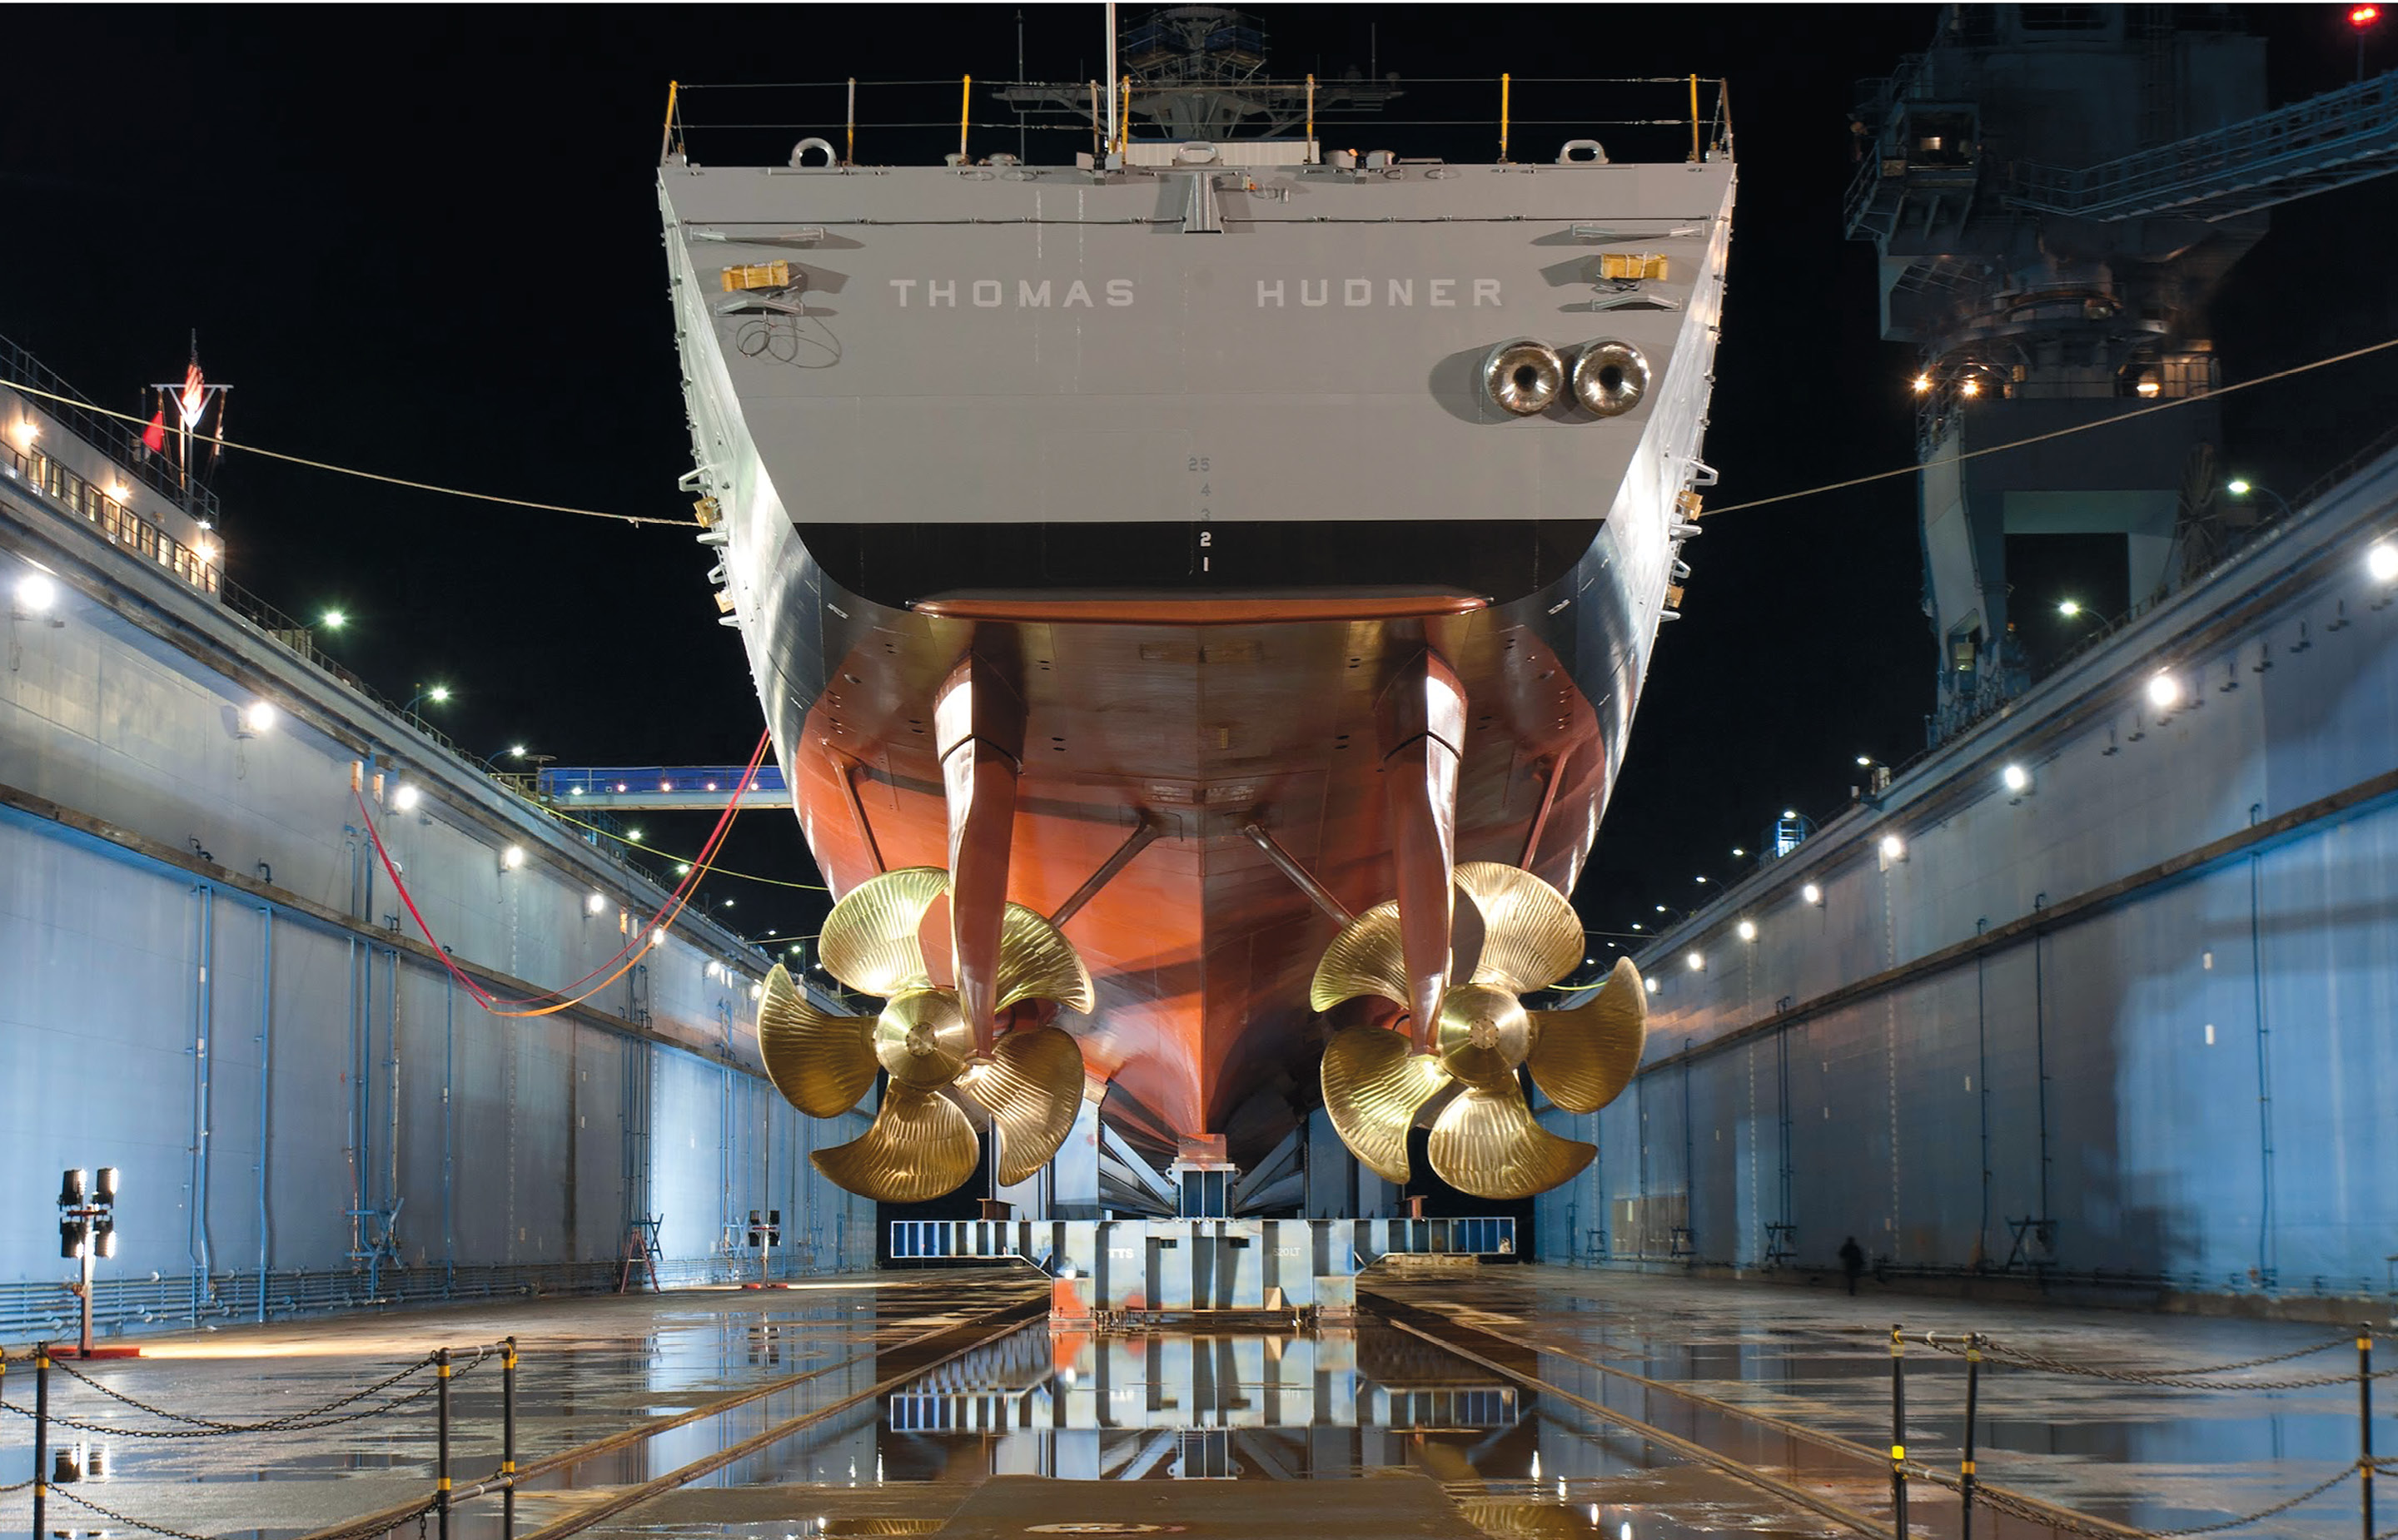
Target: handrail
(117,522)
(2336,119)
(112,438)
(1301,105)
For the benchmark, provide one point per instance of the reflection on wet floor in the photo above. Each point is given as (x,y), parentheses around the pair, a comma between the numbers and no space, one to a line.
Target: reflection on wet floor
(2153,1457)
(1361,1428)
(590,1367)
(1192,1415)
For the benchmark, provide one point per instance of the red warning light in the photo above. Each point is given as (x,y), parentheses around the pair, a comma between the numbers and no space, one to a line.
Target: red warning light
(2362,16)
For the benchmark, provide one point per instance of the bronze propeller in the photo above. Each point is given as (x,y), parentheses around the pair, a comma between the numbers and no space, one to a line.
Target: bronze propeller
(1485,1141)
(921,1144)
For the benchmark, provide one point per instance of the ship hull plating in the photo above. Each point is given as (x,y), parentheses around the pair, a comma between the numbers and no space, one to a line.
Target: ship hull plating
(1207,661)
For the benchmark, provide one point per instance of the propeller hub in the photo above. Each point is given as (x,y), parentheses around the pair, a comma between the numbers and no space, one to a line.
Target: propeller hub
(922,1038)
(1482,1033)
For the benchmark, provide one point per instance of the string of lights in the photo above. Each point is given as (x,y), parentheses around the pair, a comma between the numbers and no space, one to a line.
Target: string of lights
(2131,416)
(365,476)
(1868,480)
(632,844)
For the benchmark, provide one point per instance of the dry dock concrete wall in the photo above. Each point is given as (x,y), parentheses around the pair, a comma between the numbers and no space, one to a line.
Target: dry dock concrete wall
(208,981)
(2133,1019)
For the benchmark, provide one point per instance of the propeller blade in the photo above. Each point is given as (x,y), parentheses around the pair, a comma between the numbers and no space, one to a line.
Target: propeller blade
(1505,1518)
(1486,1143)
(869,942)
(1531,935)
(1374,1082)
(1036,962)
(822,1063)
(1032,1087)
(1365,958)
(1585,1057)
(918,1146)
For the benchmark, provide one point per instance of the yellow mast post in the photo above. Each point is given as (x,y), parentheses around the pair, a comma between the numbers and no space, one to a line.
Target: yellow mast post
(666,136)
(1124,117)
(1311,117)
(965,110)
(1695,120)
(1503,81)
(849,127)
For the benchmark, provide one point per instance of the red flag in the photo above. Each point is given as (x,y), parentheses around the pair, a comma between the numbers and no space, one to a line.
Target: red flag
(153,437)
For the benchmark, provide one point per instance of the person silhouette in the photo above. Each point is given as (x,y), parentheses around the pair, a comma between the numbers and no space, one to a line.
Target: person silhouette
(1853,1261)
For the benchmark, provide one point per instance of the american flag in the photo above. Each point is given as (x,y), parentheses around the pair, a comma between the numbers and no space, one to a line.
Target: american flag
(194,398)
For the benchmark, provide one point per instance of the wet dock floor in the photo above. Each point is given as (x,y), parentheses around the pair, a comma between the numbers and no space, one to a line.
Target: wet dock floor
(1230,1433)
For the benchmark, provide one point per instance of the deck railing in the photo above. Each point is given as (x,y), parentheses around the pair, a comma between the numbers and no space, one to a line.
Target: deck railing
(967,119)
(117,524)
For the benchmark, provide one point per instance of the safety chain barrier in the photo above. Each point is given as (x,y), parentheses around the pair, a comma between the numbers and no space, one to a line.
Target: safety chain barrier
(202,1428)
(2177,1379)
(445,1363)
(1974,1348)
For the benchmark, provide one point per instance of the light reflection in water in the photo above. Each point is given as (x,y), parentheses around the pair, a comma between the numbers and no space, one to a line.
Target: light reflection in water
(1202,1405)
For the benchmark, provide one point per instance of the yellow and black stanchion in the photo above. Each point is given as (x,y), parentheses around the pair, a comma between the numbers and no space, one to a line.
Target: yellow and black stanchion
(441,1441)
(1897,1433)
(2364,1417)
(508,1439)
(41,1432)
(1972,1400)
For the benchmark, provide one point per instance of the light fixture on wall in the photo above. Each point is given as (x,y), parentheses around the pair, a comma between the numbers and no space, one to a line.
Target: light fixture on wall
(1811,894)
(34,594)
(512,858)
(256,718)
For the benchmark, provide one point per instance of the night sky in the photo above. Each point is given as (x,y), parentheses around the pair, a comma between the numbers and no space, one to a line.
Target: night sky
(427,242)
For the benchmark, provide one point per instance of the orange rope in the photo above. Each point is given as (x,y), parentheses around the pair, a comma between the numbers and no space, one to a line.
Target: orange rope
(632,953)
